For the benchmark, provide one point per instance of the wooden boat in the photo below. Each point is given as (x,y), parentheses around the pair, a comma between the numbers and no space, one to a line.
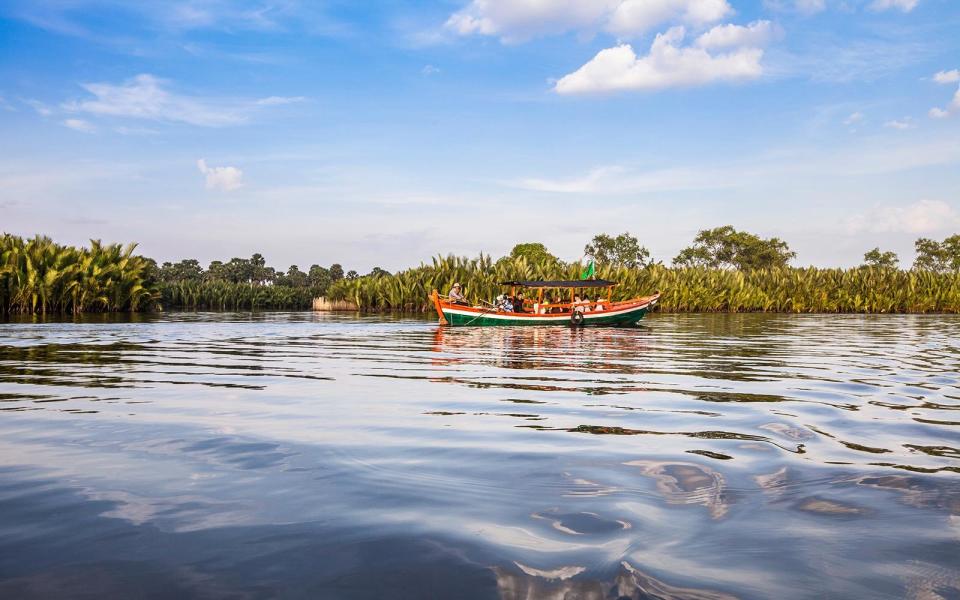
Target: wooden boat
(576,314)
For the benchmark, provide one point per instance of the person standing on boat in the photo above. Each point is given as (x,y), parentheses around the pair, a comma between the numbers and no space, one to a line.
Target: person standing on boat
(456,296)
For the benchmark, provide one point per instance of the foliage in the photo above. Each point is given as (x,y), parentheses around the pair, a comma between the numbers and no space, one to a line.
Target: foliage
(40,276)
(726,248)
(623,250)
(880,260)
(534,252)
(688,289)
(226,295)
(937,256)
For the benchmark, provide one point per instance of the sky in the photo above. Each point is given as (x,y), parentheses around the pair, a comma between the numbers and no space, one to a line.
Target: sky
(383,133)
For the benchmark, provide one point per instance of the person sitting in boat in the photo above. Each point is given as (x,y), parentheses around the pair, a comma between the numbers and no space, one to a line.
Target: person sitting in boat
(456,295)
(518,303)
(599,305)
(579,305)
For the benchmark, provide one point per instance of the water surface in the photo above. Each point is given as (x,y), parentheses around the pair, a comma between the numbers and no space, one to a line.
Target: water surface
(334,456)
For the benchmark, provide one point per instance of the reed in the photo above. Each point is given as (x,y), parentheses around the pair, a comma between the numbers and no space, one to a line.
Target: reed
(40,276)
(797,290)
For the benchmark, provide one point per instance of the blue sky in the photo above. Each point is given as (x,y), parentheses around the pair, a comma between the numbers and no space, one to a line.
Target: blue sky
(383,133)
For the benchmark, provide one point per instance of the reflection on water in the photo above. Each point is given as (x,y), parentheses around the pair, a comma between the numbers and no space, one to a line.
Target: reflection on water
(302,455)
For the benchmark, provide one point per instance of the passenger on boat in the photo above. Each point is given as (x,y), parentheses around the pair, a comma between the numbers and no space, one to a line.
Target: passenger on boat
(518,303)
(504,303)
(599,305)
(456,296)
(579,305)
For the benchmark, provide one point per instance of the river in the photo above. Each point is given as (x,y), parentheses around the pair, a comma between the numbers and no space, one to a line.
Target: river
(313,455)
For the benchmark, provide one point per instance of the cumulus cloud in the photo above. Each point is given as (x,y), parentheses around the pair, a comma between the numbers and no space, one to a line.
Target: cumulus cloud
(79,125)
(221,178)
(925,216)
(947,76)
(517,20)
(632,17)
(149,97)
(756,34)
(668,64)
(903,5)
(938,113)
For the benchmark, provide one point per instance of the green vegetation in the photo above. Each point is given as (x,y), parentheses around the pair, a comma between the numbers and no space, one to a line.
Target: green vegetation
(939,257)
(880,260)
(244,284)
(621,251)
(39,276)
(725,270)
(727,248)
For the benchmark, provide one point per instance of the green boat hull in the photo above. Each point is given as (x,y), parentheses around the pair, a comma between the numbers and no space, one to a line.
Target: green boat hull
(622,319)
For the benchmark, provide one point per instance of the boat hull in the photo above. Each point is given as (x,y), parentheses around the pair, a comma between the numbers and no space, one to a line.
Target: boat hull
(625,314)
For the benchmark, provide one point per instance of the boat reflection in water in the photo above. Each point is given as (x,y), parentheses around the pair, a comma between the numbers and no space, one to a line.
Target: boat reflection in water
(302,455)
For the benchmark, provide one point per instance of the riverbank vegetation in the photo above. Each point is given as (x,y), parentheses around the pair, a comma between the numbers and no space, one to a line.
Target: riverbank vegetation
(40,276)
(723,270)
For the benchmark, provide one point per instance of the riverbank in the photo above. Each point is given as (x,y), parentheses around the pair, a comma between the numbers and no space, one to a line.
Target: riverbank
(786,290)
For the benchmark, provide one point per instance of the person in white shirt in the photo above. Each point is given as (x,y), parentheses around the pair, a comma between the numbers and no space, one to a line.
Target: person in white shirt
(456,295)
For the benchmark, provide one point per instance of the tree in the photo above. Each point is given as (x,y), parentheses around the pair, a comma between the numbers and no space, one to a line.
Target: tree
(260,273)
(185,270)
(725,247)
(535,253)
(622,251)
(378,272)
(319,279)
(336,272)
(294,278)
(351,274)
(939,257)
(880,260)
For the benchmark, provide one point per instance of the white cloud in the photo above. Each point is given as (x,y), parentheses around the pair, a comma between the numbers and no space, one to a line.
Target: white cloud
(221,178)
(632,17)
(429,70)
(925,216)
(147,97)
(938,113)
(947,76)
(901,124)
(79,125)
(667,65)
(854,118)
(758,33)
(809,7)
(805,7)
(518,20)
(942,113)
(279,100)
(514,20)
(903,5)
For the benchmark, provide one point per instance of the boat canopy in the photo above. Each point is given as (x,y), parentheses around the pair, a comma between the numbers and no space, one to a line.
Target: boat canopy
(585,283)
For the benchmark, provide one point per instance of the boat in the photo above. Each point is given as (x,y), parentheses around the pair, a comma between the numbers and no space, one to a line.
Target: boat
(536,312)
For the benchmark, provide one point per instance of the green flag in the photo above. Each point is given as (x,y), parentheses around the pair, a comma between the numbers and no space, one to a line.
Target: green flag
(589,271)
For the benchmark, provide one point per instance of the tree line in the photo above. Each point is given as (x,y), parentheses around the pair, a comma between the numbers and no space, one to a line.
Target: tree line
(727,248)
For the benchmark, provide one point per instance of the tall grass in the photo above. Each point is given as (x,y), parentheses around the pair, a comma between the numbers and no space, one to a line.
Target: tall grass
(806,290)
(224,295)
(40,276)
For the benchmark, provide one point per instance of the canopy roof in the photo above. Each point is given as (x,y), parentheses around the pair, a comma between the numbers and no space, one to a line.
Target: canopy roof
(586,283)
